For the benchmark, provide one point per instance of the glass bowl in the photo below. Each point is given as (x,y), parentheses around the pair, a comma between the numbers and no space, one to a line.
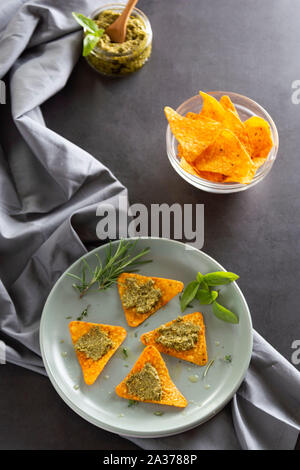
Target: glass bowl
(246,109)
(120,64)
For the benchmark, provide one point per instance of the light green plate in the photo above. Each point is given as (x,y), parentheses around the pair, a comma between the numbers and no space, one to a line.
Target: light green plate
(99,403)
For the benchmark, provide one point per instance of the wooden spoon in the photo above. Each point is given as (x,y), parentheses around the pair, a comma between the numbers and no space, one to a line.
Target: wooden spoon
(117,30)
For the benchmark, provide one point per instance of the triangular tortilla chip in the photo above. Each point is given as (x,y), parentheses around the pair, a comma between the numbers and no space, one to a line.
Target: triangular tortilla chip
(197,355)
(90,368)
(227,156)
(211,108)
(170,394)
(226,102)
(169,289)
(235,125)
(207,175)
(257,162)
(260,137)
(191,115)
(225,113)
(194,135)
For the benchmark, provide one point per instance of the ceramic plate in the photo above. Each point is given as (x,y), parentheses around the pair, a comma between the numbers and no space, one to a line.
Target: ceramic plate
(99,403)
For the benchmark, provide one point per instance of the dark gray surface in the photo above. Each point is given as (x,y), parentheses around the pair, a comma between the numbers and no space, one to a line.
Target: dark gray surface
(249,47)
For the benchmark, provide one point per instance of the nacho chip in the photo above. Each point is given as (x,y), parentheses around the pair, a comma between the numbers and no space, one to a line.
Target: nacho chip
(90,368)
(168,287)
(226,102)
(225,113)
(191,115)
(187,166)
(227,156)
(259,133)
(234,124)
(170,394)
(211,108)
(212,176)
(194,135)
(197,355)
(257,162)
(207,175)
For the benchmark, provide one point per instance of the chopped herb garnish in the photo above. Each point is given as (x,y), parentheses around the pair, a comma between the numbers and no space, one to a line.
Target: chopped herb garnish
(228,358)
(125,352)
(83,314)
(132,403)
(158,413)
(208,367)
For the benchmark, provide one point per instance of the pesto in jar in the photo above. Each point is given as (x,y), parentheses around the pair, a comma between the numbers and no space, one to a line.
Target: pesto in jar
(142,296)
(180,335)
(117,59)
(145,384)
(94,344)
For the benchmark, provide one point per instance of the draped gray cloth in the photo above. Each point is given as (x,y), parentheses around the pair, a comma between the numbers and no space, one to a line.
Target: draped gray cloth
(49,192)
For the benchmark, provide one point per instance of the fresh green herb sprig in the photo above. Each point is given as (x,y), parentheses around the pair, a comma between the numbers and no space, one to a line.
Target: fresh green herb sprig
(92,32)
(201,289)
(106,274)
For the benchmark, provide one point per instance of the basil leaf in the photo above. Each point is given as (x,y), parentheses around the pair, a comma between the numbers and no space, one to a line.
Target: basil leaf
(224,314)
(86,22)
(199,277)
(220,277)
(189,294)
(204,285)
(206,297)
(89,42)
(99,32)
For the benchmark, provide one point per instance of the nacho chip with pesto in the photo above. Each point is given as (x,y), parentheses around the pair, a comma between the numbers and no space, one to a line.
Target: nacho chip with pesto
(194,135)
(151,382)
(227,156)
(141,296)
(177,338)
(94,345)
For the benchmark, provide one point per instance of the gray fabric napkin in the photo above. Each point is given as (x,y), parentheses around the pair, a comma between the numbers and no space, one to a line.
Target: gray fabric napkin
(49,187)
(49,191)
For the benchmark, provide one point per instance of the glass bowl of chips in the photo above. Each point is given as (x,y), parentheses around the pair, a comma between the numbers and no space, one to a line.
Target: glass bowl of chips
(221,142)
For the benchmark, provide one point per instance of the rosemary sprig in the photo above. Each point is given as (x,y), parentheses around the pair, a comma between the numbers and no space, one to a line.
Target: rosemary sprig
(106,274)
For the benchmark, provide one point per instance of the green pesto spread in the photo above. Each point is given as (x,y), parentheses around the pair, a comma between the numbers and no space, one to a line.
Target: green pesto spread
(117,59)
(180,335)
(94,344)
(142,296)
(135,34)
(145,384)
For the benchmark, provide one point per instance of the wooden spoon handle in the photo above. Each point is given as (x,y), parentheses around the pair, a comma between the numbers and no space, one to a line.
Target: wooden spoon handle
(128,9)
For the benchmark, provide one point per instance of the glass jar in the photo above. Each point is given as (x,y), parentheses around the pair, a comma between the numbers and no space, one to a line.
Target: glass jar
(120,63)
